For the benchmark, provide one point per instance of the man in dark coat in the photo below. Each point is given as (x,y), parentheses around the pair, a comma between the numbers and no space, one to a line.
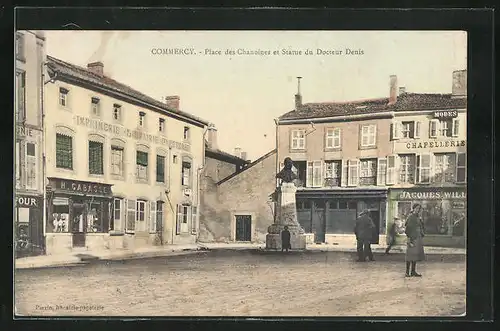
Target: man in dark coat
(364,232)
(414,229)
(391,235)
(285,239)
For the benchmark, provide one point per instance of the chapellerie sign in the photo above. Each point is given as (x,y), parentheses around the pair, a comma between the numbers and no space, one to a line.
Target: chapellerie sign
(432,195)
(436,144)
(135,134)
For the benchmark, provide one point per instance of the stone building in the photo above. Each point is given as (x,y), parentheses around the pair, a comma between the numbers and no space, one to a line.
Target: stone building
(122,168)
(235,204)
(28,113)
(348,156)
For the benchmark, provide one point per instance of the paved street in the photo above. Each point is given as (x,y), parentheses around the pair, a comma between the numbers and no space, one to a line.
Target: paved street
(243,283)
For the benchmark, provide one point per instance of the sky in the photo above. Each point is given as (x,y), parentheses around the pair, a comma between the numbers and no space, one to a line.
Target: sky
(243,94)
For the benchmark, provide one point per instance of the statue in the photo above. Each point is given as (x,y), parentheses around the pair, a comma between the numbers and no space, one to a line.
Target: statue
(286,174)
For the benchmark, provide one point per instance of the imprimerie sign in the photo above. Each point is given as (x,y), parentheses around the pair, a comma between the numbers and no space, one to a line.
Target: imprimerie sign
(446,114)
(136,134)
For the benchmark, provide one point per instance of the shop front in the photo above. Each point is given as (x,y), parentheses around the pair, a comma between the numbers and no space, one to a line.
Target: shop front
(329,216)
(444,213)
(29,225)
(78,215)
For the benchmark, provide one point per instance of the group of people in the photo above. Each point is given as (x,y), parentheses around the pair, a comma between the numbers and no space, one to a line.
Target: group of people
(414,230)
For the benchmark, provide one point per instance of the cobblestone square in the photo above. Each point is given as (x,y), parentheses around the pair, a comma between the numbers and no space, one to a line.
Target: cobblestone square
(232,283)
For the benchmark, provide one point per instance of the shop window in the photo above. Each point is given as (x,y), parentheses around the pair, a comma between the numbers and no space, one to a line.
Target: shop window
(333,171)
(352,205)
(333,204)
(160,169)
(298,139)
(186,173)
(407,168)
(117,219)
(445,167)
(368,172)
(96,158)
(117,164)
(142,165)
(459,221)
(333,138)
(59,222)
(343,204)
(436,216)
(64,151)
(97,218)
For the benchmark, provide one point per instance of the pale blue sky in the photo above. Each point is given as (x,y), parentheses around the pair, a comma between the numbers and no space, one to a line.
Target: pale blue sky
(242,95)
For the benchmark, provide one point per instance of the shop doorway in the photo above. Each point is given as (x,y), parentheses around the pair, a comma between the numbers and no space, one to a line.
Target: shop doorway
(375,216)
(243,228)
(78,225)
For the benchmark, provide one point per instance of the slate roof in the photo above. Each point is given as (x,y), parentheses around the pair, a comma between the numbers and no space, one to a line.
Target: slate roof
(83,74)
(231,157)
(405,102)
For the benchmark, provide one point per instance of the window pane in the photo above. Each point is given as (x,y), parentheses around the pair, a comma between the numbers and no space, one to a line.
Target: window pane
(64,152)
(142,158)
(96,157)
(461,159)
(160,168)
(30,149)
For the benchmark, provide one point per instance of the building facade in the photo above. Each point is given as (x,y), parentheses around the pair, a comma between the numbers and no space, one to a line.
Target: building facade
(122,168)
(365,155)
(28,114)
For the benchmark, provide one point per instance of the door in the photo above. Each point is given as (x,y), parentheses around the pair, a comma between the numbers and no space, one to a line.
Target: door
(78,225)
(243,228)
(375,216)
(318,221)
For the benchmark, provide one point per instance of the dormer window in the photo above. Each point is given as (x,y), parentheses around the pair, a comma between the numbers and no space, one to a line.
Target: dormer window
(63,96)
(142,119)
(95,106)
(117,112)
(161,125)
(186,133)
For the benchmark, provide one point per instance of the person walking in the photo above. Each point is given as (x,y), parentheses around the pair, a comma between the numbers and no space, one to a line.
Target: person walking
(364,232)
(414,230)
(391,235)
(285,239)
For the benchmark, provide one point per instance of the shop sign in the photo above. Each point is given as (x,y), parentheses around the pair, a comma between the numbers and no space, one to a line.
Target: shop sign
(24,131)
(135,134)
(28,201)
(81,187)
(441,114)
(432,195)
(436,144)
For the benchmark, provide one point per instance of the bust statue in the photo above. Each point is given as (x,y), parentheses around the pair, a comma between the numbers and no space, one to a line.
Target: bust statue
(286,174)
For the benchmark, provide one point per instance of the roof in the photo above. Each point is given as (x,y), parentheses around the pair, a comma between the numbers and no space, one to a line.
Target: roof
(405,102)
(260,159)
(105,82)
(218,154)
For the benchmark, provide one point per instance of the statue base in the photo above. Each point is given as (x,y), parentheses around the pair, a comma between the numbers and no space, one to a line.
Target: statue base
(297,237)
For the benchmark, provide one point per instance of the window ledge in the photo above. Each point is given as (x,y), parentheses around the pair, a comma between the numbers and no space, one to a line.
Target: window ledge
(301,150)
(142,181)
(66,170)
(129,232)
(117,177)
(96,175)
(367,147)
(333,149)
(114,233)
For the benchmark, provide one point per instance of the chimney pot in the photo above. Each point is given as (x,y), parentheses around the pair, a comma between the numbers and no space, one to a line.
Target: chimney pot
(237,152)
(212,137)
(402,90)
(393,92)
(244,155)
(459,87)
(96,67)
(173,101)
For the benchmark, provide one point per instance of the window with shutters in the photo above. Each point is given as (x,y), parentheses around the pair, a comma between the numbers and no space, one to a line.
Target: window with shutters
(95,106)
(445,128)
(368,135)
(333,138)
(117,164)
(314,174)
(96,166)
(444,167)
(298,139)
(20,47)
(131,216)
(333,172)
(424,168)
(407,130)
(117,219)
(64,151)
(160,169)
(407,168)
(141,166)
(391,170)
(194,220)
(353,173)
(63,97)
(381,171)
(461,167)
(455,124)
(21,96)
(367,172)
(31,165)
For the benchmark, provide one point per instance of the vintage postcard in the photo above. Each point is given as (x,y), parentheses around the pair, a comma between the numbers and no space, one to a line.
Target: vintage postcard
(240,173)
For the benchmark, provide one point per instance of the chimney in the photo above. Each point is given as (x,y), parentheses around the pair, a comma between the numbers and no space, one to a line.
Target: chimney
(298,96)
(237,152)
(173,102)
(244,155)
(459,87)
(212,136)
(393,92)
(402,90)
(97,68)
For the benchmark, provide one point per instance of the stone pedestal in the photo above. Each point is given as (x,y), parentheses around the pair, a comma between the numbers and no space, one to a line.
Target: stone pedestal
(286,215)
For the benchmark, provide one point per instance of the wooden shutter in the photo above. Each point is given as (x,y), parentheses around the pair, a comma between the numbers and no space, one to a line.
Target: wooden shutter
(463,167)
(152,216)
(433,128)
(455,127)
(343,173)
(353,173)
(178,219)
(391,170)
(381,171)
(309,174)
(395,130)
(130,226)
(417,129)
(194,220)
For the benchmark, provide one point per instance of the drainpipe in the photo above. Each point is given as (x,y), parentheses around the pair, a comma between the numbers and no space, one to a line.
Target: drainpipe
(199,170)
(276,121)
